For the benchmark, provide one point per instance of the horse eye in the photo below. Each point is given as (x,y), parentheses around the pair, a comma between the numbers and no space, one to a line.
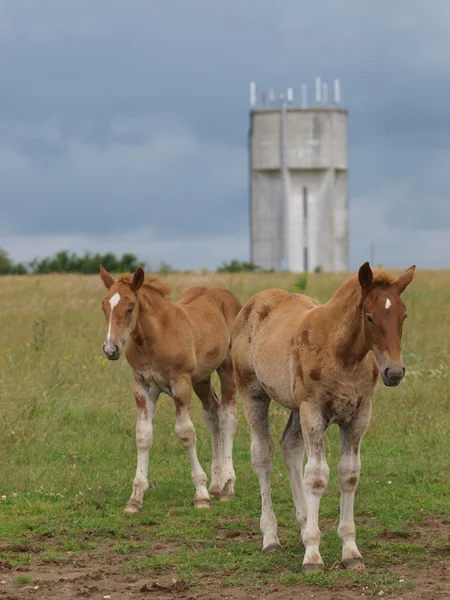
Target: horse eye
(130,309)
(370,319)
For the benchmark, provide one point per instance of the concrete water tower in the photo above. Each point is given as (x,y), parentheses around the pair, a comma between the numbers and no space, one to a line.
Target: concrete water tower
(299,181)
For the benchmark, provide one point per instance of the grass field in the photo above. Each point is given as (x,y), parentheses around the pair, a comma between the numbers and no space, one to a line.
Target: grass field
(67,449)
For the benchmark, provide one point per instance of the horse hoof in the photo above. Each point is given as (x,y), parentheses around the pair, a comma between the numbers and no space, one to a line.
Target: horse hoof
(271,548)
(202,503)
(226,497)
(132,508)
(214,492)
(354,564)
(312,567)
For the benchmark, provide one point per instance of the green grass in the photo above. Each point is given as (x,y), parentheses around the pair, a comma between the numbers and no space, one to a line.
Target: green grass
(21,580)
(68,456)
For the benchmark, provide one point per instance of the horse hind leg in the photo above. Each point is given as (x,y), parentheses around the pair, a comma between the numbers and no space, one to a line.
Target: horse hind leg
(256,407)
(185,430)
(210,403)
(228,427)
(293,448)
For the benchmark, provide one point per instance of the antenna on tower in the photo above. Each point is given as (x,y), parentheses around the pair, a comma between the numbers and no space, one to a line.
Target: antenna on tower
(304,95)
(252,94)
(272,97)
(337,91)
(325,93)
(318,90)
(290,95)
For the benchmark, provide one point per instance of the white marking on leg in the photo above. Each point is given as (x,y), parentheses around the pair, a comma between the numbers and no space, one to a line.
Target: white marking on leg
(262,451)
(184,429)
(113,302)
(228,428)
(292,446)
(146,402)
(348,474)
(316,480)
(388,303)
(212,419)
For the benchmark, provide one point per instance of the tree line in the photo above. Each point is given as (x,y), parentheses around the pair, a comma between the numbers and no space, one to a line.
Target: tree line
(87,264)
(69,262)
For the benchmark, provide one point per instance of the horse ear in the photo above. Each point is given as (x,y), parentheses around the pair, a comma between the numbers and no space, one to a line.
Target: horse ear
(365,277)
(106,277)
(404,280)
(138,279)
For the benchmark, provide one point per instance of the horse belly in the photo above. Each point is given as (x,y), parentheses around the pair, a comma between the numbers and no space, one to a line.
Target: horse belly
(209,359)
(280,392)
(274,376)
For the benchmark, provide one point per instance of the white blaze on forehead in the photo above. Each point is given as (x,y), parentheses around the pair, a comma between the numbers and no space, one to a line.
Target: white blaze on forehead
(113,302)
(388,303)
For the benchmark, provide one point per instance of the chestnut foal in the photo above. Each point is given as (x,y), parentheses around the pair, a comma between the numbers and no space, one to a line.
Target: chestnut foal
(172,348)
(322,363)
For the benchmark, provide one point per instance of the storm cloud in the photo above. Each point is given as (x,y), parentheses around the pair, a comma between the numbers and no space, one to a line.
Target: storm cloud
(123,125)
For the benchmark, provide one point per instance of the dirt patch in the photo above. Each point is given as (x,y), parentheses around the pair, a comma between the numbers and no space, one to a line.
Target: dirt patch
(427,532)
(100,574)
(432,534)
(430,583)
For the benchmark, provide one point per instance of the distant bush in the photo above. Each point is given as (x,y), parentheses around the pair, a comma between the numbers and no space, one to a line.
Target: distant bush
(318,269)
(66,262)
(165,268)
(6,264)
(237,266)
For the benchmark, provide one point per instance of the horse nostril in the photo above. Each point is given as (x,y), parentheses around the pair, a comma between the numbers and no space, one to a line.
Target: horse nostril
(111,349)
(392,373)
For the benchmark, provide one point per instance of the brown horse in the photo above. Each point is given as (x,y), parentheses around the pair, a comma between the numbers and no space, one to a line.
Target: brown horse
(322,363)
(172,348)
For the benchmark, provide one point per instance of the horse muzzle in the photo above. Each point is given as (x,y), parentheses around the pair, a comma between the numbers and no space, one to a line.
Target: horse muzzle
(111,351)
(392,376)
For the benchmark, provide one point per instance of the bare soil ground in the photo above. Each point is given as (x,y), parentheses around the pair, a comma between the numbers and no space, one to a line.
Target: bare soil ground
(99,574)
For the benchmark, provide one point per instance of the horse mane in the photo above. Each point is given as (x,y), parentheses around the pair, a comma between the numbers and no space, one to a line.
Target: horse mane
(150,282)
(381,279)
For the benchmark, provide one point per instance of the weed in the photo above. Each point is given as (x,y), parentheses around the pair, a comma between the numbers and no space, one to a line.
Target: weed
(301,283)
(21,580)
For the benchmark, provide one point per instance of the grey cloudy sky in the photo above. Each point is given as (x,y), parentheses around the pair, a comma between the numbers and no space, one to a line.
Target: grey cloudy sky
(123,123)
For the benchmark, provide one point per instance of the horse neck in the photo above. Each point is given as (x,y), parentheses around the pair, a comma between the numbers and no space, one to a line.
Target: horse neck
(152,313)
(346,321)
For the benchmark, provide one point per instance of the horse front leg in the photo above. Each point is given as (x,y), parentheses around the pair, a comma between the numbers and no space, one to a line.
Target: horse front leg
(348,473)
(146,398)
(315,479)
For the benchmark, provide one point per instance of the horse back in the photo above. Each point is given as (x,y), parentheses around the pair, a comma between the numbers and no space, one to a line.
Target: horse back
(199,299)
(210,313)
(272,304)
